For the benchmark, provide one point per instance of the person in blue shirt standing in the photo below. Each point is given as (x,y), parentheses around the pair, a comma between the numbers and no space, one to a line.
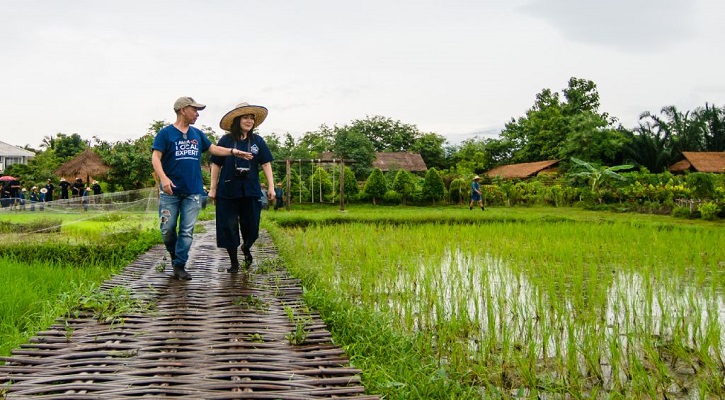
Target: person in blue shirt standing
(476,194)
(235,183)
(279,195)
(176,158)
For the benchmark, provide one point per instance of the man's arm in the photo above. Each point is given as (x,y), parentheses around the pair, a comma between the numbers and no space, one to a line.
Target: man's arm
(166,185)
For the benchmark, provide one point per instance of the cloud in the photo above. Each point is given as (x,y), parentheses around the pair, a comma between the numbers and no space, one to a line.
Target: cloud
(637,26)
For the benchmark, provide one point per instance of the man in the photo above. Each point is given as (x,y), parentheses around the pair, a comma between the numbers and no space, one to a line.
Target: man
(176,159)
(476,196)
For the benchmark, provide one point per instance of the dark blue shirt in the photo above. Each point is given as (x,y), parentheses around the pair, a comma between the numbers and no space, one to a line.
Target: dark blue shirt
(231,186)
(181,157)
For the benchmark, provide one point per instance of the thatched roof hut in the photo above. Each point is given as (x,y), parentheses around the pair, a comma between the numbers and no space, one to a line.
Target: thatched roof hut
(87,165)
(411,162)
(523,170)
(704,161)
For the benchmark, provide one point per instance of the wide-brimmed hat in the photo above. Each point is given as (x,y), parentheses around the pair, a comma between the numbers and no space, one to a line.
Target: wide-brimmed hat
(475,178)
(43,190)
(62,179)
(259,112)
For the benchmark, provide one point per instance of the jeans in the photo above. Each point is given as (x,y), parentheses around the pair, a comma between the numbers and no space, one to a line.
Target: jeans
(183,208)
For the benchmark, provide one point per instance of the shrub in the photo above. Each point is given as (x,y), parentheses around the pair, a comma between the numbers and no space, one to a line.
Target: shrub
(392,197)
(708,211)
(681,212)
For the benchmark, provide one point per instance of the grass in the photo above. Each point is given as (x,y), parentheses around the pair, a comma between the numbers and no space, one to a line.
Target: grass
(530,302)
(47,275)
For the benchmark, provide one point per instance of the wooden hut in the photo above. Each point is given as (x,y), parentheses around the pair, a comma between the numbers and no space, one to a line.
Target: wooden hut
(704,161)
(523,170)
(411,162)
(87,164)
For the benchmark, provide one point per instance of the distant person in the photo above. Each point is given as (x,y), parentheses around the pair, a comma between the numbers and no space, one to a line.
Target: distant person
(279,196)
(4,196)
(64,186)
(96,188)
(204,198)
(21,198)
(235,183)
(263,197)
(14,186)
(86,198)
(33,197)
(476,193)
(176,159)
(78,188)
(41,198)
(49,190)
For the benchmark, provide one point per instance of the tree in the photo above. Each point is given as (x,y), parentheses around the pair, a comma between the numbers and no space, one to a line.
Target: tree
(320,184)
(67,147)
(430,146)
(433,187)
(350,184)
(385,134)
(552,128)
(458,190)
(351,144)
(130,160)
(404,184)
(714,120)
(376,185)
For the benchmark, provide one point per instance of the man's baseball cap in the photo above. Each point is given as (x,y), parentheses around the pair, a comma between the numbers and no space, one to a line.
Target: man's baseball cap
(186,101)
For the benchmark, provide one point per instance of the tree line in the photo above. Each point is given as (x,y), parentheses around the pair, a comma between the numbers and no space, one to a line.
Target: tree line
(558,126)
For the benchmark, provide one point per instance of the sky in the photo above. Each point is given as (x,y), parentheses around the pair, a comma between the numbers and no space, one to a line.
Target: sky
(457,68)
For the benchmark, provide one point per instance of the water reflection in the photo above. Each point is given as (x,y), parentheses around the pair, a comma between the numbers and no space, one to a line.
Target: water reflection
(501,309)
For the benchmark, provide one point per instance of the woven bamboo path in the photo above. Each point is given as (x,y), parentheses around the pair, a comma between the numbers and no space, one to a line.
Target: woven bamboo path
(218,336)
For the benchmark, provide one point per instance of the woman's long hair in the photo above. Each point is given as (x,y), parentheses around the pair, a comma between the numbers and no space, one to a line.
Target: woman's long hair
(236,130)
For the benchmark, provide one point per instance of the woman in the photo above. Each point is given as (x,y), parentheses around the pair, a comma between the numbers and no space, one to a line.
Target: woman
(235,182)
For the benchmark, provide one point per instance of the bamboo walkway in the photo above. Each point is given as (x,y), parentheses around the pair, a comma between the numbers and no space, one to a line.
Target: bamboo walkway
(218,336)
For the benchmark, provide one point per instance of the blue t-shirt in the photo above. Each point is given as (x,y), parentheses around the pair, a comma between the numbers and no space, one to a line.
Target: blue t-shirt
(231,186)
(181,157)
(474,187)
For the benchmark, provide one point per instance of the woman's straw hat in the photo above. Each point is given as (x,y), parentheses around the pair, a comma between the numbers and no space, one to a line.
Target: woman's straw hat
(43,190)
(259,112)
(475,178)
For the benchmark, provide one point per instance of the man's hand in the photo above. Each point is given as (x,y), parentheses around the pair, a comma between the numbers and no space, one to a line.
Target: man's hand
(167,186)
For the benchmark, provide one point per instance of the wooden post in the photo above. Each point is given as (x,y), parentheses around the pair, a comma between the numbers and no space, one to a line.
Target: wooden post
(289,185)
(342,185)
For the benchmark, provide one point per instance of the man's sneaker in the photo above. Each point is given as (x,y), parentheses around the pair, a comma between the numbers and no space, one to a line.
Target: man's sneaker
(181,274)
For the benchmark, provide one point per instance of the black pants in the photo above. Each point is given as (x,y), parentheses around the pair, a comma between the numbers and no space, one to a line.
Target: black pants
(234,216)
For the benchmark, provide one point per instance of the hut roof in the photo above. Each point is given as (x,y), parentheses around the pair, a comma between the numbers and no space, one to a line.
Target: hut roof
(521,171)
(704,161)
(85,165)
(412,162)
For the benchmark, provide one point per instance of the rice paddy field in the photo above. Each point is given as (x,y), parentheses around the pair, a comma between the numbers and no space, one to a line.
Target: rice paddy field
(516,303)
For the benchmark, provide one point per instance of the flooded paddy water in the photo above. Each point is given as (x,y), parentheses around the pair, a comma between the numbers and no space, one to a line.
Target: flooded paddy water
(545,309)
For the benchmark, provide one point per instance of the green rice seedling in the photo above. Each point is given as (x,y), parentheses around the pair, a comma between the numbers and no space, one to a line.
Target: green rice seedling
(610,307)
